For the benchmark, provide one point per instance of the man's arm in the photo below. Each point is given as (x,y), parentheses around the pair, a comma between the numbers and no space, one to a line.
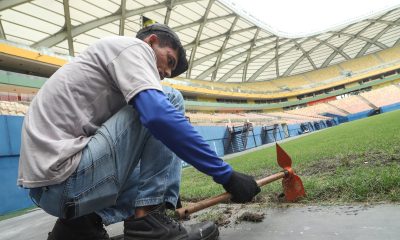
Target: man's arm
(170,127)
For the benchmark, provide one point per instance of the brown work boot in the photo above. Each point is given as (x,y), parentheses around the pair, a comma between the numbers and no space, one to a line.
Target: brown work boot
(88,227)
(158,225)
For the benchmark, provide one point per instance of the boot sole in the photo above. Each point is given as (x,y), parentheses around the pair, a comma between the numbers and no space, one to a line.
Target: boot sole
(213,236)
(119,237)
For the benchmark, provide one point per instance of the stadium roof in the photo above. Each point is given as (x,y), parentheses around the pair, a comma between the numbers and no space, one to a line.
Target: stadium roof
(223,43)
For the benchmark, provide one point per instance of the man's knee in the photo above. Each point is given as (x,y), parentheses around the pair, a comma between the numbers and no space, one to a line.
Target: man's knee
(175,97)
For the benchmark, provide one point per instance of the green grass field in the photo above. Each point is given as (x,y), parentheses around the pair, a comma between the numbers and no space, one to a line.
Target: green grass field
(354,162)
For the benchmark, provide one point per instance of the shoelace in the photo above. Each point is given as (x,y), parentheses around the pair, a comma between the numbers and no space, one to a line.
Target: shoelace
(170,220)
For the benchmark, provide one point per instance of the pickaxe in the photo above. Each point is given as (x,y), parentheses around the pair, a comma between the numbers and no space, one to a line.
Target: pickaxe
(292,186)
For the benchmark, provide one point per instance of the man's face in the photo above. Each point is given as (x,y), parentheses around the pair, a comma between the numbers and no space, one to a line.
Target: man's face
(167,58)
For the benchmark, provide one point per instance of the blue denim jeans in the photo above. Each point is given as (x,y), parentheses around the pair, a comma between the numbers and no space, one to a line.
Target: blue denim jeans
(122,167)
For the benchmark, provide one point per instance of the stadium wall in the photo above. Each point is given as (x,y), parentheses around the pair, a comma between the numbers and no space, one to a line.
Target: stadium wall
(389,108)
(12,197)
(213,136)
(356,116)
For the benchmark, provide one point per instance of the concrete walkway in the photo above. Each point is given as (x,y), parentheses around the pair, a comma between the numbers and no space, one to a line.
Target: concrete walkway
(314,222)
(327,223)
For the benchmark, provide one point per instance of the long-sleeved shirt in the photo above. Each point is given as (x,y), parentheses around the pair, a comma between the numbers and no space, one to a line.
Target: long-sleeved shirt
(170,127)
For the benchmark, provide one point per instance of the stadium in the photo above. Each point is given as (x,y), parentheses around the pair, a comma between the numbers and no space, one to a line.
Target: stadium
(332,98)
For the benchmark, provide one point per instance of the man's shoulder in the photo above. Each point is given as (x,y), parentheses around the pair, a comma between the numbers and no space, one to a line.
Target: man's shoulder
(120,40)
(117,44)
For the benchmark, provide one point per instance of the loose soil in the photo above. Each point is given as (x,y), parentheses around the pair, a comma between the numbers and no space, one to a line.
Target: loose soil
(229,215)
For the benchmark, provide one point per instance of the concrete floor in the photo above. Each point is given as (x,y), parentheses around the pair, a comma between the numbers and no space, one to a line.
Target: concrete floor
(313,222)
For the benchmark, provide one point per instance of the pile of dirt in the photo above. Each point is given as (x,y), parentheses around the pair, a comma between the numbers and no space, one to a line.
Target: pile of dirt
(251,217)
(229,215)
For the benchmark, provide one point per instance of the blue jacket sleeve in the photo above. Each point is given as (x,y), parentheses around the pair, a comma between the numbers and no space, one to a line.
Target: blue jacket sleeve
(170,127)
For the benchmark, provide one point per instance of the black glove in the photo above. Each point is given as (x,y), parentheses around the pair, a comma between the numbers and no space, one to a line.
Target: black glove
(242,187)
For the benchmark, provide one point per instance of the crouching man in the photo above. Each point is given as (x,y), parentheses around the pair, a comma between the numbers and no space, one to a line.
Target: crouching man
(101,138)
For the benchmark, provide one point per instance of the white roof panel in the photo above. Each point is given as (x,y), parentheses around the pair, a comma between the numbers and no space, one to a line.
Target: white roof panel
(227,39)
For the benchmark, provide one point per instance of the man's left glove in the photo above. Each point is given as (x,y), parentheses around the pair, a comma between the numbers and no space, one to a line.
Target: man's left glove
(242,187)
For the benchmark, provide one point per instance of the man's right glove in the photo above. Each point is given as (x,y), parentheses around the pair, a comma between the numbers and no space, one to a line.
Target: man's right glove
(242,187)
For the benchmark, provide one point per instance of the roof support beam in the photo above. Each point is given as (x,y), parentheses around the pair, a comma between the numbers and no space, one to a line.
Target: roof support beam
(306,54)
(277,57)
(319,44)
(5,4)
(293,66)
(197,40)
(335,52)
(380,20)
(198,22)
(170,4)
(397,42)
(333,55)
(231,72)
(379,35)
(123,17)
(335,49)
(352,37)
(267,64)
(204,41)
(2,33)
(253,43)
(226,61)
(68,27)
(260,70)
(368,45)
(222,49)
(60,36)
(215,54)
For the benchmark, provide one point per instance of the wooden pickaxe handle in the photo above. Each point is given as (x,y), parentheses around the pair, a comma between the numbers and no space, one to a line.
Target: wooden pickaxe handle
(186,211)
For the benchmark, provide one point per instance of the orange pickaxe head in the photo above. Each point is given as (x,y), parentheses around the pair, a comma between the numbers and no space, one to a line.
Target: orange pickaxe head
(292,184)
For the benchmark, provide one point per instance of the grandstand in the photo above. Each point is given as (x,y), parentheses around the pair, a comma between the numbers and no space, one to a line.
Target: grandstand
(13,108)
(383,96)
(241,74)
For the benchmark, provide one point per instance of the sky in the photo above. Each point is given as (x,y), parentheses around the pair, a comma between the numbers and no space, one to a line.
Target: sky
(298,17)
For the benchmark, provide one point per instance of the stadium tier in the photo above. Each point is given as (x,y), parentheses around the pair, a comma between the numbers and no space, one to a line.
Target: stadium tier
(347,74)
(357,75)
(318,109)
(383,96)
(353,104)
(13,108)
